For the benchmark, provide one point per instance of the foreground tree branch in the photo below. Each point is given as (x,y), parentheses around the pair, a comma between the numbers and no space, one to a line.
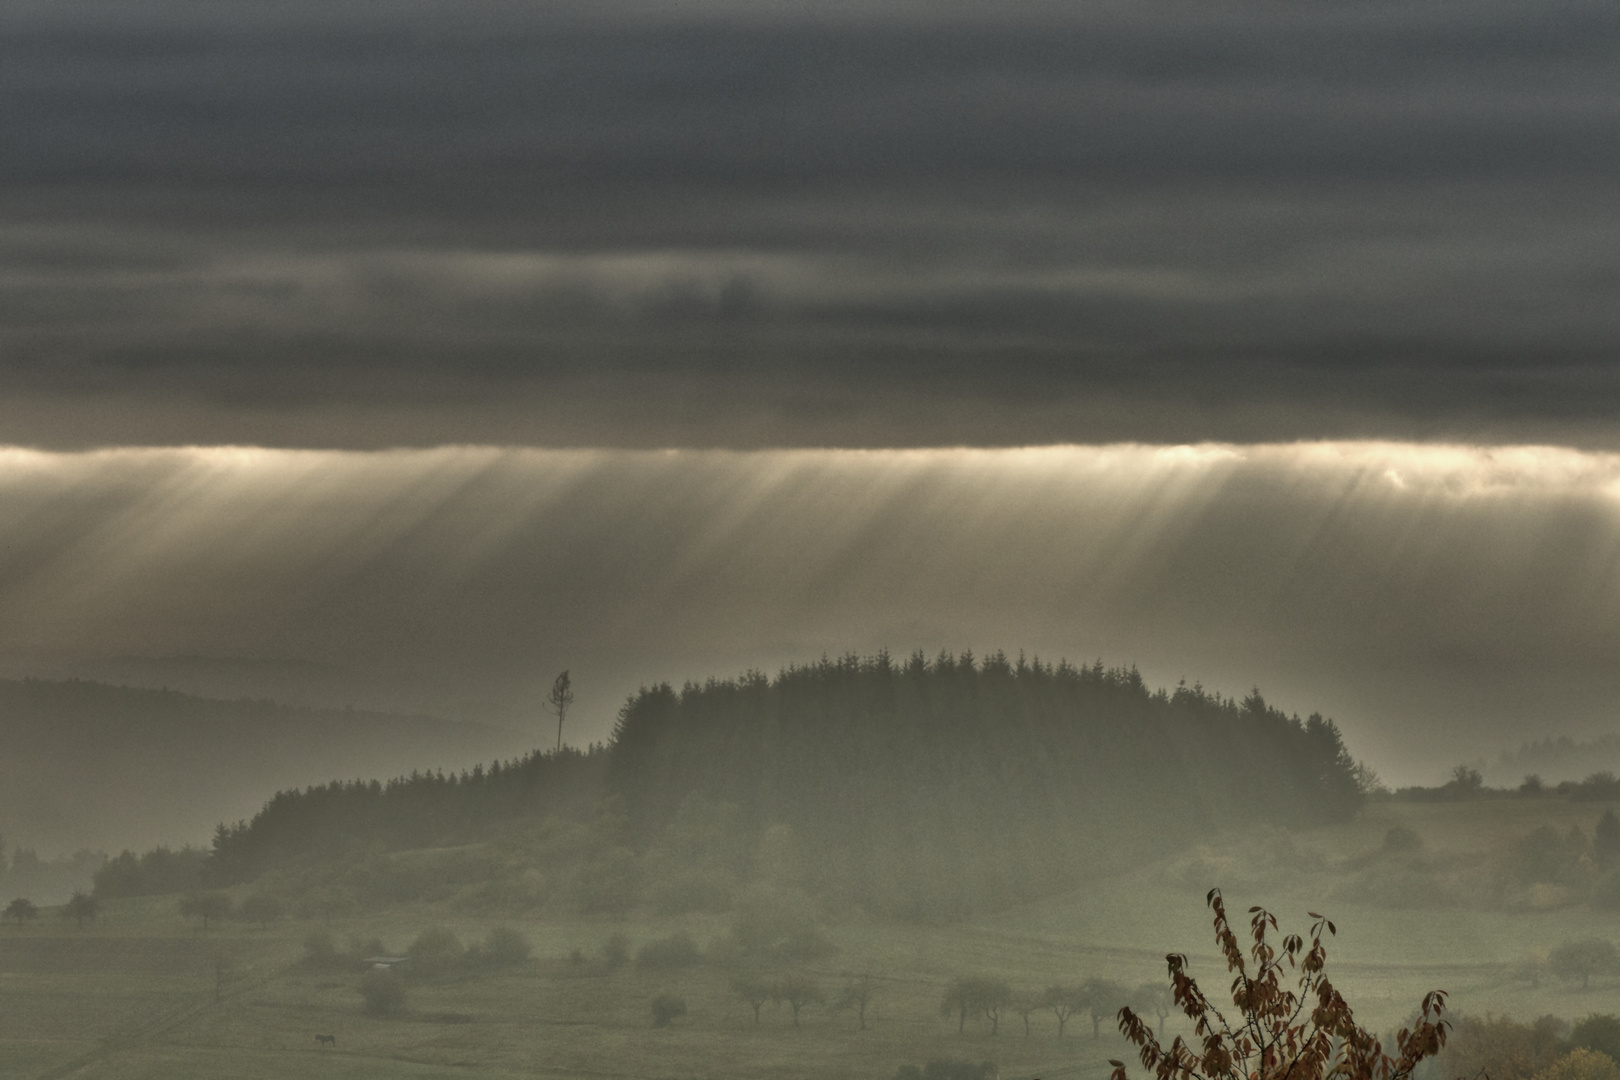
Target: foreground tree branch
(1306,1032)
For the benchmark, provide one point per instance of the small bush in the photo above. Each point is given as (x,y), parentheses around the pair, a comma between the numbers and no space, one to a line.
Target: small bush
(669,954)
(435,951)
(667,1008)
(502,947)
(321,952)
(383,993)
(362,948)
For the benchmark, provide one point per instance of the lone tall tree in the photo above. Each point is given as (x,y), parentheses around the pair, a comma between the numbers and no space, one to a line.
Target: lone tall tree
(562,696)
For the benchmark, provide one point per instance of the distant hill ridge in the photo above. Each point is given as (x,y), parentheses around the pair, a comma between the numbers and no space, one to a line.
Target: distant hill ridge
(88,764)
(1557,759)
(921,788)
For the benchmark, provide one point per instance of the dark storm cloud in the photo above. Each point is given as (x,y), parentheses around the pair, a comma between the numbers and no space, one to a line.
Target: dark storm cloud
(863,224)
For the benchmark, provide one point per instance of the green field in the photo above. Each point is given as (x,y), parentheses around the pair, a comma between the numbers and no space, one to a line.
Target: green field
(133,995)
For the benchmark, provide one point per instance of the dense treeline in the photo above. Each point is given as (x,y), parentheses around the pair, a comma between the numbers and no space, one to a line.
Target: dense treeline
(415,811)
(1555,760)
(1467,783)
(1543,868)
(153,873)
(937,787)
(920,789)
(1547,1048)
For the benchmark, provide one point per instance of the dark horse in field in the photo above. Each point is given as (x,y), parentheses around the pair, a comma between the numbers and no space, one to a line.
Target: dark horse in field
(326,1040)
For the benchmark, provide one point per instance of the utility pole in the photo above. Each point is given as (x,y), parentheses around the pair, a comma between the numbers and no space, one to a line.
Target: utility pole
(562,696)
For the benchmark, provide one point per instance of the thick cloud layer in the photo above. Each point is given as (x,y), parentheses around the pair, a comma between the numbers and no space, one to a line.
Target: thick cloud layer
(704,224)
(1439,602)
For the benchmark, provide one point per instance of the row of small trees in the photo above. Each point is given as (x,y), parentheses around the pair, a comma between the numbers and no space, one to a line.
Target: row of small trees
(209,907)
(797,991)
(81,908)
(218,906)
(1097,999)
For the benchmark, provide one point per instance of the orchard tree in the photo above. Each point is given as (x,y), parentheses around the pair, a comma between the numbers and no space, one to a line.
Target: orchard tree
(1583,959)
(21,910)
(961,998)
(1154,998)
(976,997)
(1277,1033)
(995,996)
(1026,1004)
(856,995)
(753,991)
(1102,998)
(205,906)
(797,991)
(81,908)
(1064,1001)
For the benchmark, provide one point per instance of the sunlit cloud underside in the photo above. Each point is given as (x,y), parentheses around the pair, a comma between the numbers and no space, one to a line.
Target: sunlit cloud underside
(1419,593)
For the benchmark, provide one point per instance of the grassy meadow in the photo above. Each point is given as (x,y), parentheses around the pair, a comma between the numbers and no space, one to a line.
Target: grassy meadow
(143,993)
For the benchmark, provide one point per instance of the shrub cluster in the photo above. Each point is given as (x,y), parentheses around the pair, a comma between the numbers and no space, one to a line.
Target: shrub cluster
(667,1008)
(1544,1049)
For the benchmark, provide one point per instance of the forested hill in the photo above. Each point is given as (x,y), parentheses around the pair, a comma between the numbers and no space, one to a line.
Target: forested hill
(86,764)
(920,788)
(981,779)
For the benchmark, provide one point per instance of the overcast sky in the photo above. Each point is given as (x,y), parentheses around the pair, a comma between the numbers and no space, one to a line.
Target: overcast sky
(1389,230)
(745,224)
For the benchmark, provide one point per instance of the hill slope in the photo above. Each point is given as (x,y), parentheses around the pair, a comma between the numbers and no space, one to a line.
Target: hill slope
(923,789)
(943,787)
(91,765)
